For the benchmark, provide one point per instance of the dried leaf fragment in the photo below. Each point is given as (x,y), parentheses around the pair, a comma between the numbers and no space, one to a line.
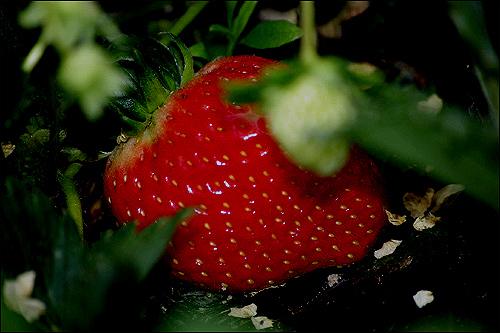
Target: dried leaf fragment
(422,208)
(426,222)
(387,248)
(7,148)
(395,219)
(17,296)
(244,312)
(423,297)
(261,322)
(418,205)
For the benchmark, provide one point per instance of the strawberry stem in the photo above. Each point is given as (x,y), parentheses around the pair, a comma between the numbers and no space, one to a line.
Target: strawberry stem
(34,55)
(193,10)
(239,24)
(308,52)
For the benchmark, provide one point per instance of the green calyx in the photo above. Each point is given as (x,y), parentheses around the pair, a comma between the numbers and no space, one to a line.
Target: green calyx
(154,68)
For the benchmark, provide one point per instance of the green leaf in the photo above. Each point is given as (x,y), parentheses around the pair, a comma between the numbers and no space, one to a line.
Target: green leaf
(139,250)
(74,154)
(230,7)
(199,50)
(220,28)
(14,322)
(269,34)
(239,24)
(454,147)
(469,19)
(82,286)
(26,218)
(104,281)
(234,29)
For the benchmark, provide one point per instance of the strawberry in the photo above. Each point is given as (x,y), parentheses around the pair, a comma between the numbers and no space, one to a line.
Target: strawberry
(259,218)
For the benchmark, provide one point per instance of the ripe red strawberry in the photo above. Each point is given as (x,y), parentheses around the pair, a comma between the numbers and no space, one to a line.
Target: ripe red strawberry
(260,219)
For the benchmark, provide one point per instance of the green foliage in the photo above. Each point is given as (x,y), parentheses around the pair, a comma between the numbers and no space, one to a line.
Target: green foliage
(265,35)
(448,145)
(36,155)
(193,10)
(36,152)
(235,24)
(139,250)
(14,322)
(86,72)
(270,34)
(81,285)
(468,17)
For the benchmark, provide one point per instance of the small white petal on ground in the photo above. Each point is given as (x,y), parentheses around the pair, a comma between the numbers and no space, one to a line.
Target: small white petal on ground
(426,222)
(262,322)
(387,248)
(333,279)
(244,312)
(423,297)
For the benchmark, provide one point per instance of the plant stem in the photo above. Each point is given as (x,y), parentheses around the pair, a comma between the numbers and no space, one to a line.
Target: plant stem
(34,55)
(239,24)
(308,42)
(194,9)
